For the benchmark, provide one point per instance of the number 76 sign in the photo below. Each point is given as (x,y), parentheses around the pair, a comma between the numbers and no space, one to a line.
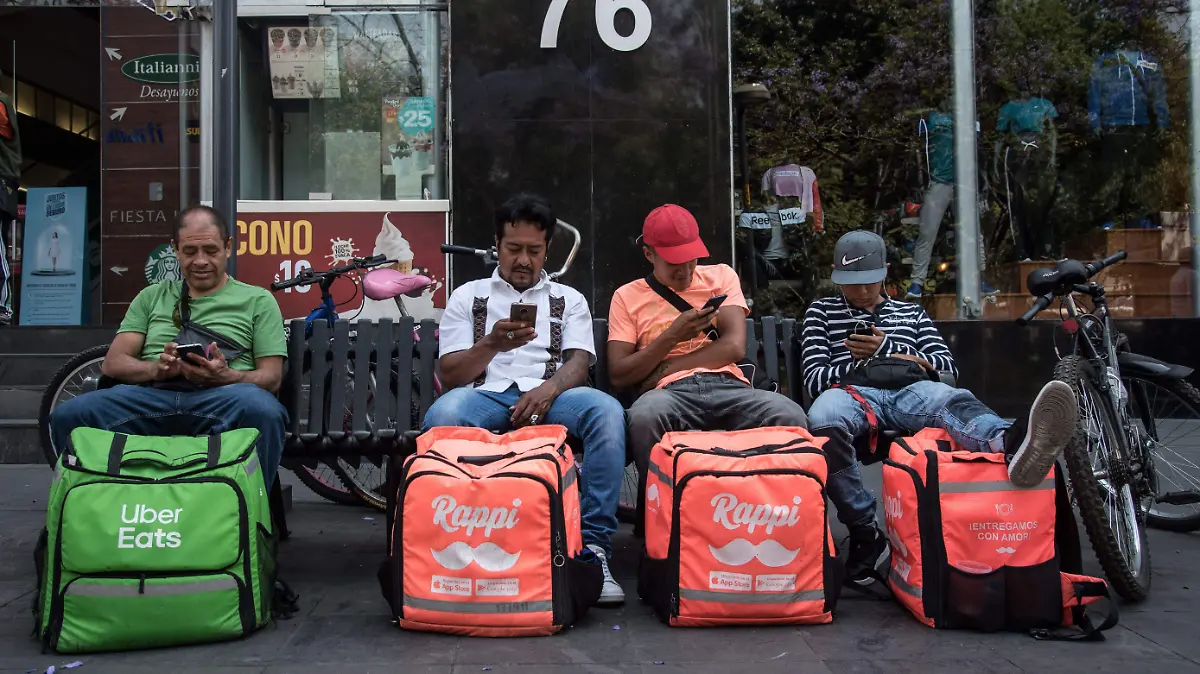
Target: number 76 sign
(606,23)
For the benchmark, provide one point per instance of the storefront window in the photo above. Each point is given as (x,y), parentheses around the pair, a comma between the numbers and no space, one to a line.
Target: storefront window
(361,103)
(1081,148)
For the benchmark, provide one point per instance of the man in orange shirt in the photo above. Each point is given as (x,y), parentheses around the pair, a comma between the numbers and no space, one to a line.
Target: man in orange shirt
(688,377)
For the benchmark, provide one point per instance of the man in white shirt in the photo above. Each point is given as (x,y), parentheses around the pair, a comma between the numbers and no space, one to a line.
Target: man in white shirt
(502,374)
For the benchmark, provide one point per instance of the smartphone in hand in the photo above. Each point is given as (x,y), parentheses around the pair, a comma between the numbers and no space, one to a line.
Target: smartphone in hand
(864,329)
(523,313)
(714,302)
(184,349)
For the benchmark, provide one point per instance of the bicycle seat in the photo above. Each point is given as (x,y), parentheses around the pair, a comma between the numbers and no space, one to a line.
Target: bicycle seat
(1065,274)
(386,284)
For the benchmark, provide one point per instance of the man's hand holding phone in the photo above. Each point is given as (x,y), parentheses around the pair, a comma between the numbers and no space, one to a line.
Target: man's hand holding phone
(864,345)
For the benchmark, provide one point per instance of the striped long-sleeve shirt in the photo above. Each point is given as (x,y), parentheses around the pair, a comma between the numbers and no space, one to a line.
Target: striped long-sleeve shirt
(830,321)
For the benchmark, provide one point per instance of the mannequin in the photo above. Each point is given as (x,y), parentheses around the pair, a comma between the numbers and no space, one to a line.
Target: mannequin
(937,131)
(10,172)
(791,195)
(1026,163)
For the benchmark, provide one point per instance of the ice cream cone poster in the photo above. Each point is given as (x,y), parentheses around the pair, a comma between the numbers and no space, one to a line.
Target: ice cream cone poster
(407,140)
(304,62)
(276,246)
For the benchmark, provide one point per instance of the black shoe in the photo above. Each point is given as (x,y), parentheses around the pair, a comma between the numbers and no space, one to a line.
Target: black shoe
(868,551)
(5,317)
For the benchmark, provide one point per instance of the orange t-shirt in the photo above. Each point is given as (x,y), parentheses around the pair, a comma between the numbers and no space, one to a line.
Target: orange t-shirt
(638,315)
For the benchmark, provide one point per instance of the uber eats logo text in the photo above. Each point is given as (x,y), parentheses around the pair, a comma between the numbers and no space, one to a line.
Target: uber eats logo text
(140,535)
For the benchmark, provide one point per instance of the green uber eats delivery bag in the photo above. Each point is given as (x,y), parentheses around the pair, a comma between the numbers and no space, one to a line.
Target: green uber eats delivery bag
(154,541)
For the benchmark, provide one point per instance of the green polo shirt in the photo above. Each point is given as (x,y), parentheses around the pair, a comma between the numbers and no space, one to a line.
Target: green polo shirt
(245,314)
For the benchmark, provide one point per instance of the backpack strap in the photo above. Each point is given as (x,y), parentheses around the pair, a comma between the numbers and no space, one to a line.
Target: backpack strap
(1083,589)
(872,419)
(678,302)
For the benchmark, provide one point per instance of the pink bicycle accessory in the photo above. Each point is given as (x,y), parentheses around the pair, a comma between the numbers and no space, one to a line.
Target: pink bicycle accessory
(386,284)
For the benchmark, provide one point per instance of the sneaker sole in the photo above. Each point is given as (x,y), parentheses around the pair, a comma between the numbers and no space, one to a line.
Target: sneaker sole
(1052,422)
(610,601)
(879,561)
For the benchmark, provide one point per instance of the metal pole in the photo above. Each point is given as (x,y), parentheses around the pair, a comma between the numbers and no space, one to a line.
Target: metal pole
(207,98)
(743,150)
(185,196)
(226,81)
(1194,124)
(965,169)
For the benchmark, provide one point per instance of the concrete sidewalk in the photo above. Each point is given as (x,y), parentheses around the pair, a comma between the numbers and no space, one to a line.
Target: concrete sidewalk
(343,625)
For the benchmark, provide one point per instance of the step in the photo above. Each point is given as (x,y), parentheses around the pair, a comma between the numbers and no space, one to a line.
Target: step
(1162,278)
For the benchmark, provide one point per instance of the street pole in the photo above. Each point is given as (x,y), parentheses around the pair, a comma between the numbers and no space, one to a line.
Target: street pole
(965,174)
(1194,124)
(225,131)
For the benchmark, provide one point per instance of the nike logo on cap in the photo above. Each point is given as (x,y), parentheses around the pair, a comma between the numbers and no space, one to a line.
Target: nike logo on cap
(847,263)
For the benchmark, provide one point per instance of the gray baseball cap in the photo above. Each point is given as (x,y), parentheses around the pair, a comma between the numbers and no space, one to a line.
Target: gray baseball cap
(859,258)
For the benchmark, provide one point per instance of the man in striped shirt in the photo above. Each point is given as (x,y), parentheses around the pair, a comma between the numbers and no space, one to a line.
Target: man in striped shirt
(841,332)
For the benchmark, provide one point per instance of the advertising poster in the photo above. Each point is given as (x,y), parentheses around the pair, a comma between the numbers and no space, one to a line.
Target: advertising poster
(52,271)
(408,142)
(276,246)
(304,62)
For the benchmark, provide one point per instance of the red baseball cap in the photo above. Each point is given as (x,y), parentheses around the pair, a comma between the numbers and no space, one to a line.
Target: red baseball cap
(673,234)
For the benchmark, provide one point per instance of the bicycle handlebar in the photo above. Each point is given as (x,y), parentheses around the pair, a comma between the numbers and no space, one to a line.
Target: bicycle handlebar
(1097,267)
(491,255)
(1090,269)
(309,277)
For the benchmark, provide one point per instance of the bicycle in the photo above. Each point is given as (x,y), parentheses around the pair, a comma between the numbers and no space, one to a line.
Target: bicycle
(1113,460)
(627,505)
(361,483)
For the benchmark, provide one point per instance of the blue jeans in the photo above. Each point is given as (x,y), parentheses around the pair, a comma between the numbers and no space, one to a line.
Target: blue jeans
(141,410)
(927,404)
(590,415)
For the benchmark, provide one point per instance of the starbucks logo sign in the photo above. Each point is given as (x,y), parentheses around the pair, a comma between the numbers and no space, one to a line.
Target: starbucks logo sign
(162,265)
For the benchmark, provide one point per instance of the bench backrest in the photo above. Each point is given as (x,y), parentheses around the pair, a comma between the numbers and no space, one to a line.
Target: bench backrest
(370,404)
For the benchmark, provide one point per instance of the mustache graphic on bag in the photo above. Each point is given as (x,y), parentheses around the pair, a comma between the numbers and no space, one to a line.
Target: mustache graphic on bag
(740,551)
(489,556)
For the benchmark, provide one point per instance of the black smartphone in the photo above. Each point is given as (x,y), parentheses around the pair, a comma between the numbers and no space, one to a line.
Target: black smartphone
(184,349)
(865,329)
(714,302)
(523,313)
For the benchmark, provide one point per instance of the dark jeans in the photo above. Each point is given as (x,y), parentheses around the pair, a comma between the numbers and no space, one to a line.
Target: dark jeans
(141,410)
(705,402)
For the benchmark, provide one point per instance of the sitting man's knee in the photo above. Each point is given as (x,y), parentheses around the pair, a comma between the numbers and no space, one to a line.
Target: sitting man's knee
(450,409)
(651,408)
(834,408)
(257,403)
(780,410)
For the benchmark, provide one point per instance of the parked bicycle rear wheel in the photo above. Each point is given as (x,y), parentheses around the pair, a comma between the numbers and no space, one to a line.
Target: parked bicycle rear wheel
(627,503)
(79,375)
(1167,414)
(1105,490)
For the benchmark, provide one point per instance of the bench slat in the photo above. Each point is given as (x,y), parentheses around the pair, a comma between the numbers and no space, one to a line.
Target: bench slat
(364,347)
(600,370)
(292,388)
(319,348)
(770,350)
(794,374)
(403,372)
(751,341)
(335,422)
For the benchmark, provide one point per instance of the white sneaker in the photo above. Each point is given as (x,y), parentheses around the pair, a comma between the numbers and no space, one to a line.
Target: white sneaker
(611,594)
(1053,418)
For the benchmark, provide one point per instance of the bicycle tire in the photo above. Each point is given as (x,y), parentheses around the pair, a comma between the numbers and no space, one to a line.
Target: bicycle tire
(76,363)
(1132,585)
(627,502)
(1190,397)
(368,493)
(338,494)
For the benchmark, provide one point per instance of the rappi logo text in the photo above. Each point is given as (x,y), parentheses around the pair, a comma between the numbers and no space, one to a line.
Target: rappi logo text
(451,516)
(731,514)
(140,514)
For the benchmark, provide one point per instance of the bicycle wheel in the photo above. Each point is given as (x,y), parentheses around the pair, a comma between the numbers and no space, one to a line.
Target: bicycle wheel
(1100,478)
(627,503)
(323,480)
(77,376)
(1167,418)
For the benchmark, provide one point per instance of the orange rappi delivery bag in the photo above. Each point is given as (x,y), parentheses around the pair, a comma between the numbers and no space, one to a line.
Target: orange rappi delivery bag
(737,530)
(971,550)
(484,535)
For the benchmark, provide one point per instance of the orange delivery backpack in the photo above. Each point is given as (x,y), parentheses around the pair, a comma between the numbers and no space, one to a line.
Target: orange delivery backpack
(737,530)
(483,535)
(971,550)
